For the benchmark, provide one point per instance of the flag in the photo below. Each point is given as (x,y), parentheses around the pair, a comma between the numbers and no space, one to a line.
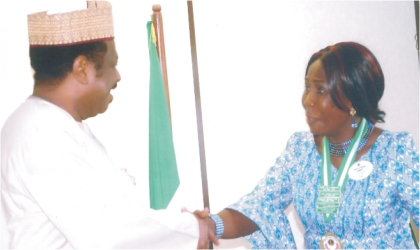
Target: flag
(163,172)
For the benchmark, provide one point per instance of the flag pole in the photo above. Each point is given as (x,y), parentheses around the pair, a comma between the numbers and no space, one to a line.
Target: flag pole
(163,172)
(198,106)
(160,47)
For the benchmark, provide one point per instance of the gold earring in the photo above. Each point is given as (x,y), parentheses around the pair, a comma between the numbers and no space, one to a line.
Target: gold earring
(353,119)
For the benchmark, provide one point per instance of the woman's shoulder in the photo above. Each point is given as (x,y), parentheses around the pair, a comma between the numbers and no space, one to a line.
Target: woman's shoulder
(397,147)
(302,135)
(301,141)
(396,140)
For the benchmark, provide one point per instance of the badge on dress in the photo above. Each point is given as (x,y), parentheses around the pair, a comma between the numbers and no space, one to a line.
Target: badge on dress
(330,241)
(360,170)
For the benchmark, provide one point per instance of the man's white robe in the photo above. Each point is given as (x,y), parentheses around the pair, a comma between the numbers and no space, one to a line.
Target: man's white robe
(59,189)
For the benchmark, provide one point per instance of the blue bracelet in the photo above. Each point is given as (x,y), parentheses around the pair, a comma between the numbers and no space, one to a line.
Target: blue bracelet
(219,225)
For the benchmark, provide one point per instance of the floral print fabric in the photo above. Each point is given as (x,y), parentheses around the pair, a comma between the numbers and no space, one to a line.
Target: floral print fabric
(373,213)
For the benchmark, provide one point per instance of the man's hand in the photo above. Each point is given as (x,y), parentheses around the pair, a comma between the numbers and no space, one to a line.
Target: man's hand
(206,228)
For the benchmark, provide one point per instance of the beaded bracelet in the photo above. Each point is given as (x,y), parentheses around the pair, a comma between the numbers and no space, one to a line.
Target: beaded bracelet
(219,225)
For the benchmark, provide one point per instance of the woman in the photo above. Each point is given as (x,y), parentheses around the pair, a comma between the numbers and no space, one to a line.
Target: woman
(353,185)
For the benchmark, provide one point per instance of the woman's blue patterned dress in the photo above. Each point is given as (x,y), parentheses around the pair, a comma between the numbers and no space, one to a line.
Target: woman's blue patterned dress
(373,213)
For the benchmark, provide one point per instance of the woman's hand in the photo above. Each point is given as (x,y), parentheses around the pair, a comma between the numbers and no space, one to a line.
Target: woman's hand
(206,227)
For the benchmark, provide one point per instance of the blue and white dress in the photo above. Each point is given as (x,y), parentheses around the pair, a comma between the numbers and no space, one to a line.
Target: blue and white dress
(373,213)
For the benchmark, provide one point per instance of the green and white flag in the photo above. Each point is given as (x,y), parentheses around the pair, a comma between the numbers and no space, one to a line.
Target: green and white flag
(163,172)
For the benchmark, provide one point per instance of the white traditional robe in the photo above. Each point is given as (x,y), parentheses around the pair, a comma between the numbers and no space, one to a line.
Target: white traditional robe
(59,189)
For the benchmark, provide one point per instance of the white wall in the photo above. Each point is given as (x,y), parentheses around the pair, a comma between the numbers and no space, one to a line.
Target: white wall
(252,56)
(124,128)
(252,79)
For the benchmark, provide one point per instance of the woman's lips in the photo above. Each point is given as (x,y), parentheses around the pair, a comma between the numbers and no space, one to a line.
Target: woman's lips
(310,119)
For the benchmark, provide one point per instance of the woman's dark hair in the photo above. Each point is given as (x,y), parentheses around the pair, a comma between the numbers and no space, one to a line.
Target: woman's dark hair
(52,63)
(353,68)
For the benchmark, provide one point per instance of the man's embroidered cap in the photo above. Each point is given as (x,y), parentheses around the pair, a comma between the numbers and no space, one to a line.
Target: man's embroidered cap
(82,26)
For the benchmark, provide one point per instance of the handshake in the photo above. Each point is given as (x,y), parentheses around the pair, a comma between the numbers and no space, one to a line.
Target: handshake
(228,224)
(207,228)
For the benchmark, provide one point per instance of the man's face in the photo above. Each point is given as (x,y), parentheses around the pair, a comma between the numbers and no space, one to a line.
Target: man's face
(101,82)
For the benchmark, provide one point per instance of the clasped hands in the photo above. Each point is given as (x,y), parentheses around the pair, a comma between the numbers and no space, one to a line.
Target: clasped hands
(206,227)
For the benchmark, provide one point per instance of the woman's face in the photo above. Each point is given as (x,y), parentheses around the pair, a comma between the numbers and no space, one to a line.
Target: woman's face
(322,115)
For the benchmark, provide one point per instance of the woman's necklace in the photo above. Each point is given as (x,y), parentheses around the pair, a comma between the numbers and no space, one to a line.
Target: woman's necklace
(340,149)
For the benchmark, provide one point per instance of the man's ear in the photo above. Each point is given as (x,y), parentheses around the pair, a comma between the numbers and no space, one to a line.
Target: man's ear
(81,68)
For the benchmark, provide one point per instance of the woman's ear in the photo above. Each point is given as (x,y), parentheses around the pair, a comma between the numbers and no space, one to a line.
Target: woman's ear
(81,67)
(347,104)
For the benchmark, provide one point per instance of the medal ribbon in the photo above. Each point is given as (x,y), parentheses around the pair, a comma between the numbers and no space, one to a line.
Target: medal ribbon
(328,194)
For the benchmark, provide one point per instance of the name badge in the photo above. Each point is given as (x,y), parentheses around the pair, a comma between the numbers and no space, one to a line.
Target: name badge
(360,170)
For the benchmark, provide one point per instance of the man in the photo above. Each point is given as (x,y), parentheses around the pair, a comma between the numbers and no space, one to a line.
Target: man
(59,189)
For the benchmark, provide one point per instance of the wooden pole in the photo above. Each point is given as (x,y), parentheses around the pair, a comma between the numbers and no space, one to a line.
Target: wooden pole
(198,111)
(198,106)
(416,11)
(160,46)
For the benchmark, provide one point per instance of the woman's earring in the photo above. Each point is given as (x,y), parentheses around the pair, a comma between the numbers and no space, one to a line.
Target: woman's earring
(353,119)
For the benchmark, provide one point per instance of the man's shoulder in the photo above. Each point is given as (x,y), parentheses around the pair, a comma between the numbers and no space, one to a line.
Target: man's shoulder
(33,117)
(34,111)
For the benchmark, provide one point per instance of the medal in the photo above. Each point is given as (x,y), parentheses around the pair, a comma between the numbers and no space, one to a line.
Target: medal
(329,194)
(330,241)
